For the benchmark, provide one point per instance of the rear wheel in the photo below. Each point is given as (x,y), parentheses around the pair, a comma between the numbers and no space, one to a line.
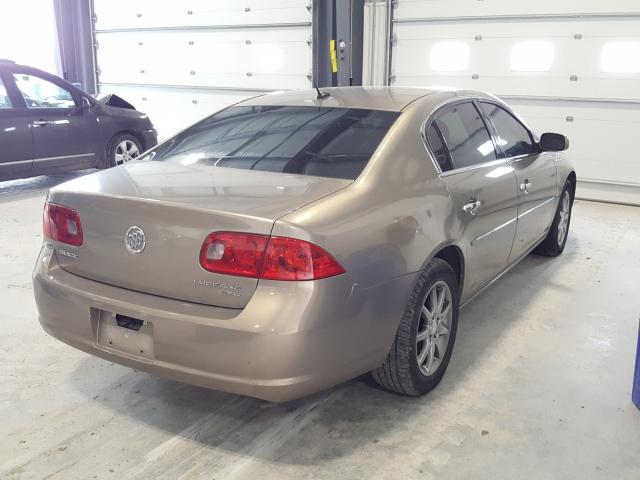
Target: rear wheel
(122,149)
(424,341)
(556,239)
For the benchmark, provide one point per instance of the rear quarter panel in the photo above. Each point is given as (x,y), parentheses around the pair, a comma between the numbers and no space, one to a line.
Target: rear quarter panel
(387,225)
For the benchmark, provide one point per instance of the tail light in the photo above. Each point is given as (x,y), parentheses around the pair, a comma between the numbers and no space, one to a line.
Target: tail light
(261,256)
(62,224)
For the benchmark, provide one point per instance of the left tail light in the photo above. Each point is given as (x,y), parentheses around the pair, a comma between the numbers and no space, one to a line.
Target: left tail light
(62,224)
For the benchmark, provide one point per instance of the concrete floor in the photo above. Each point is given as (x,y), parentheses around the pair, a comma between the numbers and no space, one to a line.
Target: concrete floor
(538,387)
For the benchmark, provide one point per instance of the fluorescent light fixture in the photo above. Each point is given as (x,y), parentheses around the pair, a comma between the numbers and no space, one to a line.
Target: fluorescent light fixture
(532,56)
(620,57)
(449,56)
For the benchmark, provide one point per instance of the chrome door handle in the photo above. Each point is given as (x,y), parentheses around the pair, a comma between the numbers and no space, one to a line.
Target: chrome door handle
(472,207)
(524,187)
(40,123)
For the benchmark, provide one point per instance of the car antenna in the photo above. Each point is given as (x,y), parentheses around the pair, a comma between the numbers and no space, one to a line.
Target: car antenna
(321,95)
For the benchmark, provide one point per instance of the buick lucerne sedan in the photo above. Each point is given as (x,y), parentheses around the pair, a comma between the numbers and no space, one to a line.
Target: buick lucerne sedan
(49,126)
(296,240)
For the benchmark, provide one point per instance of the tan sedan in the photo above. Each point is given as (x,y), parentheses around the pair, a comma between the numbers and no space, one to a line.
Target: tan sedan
(296,240)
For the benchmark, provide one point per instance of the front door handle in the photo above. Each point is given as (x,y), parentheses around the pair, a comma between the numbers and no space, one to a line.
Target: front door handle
(525,186)
(40,123)
(472,207)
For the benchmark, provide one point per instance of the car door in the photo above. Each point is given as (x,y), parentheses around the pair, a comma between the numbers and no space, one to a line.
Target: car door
(16,148)
(536,176)
(482,186)
(63,131)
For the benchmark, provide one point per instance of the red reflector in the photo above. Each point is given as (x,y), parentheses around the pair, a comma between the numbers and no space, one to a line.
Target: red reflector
(293,259)
(260,256)
(233,253)
(62,224)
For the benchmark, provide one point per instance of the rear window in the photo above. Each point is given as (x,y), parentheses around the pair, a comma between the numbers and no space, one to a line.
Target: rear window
(319,141)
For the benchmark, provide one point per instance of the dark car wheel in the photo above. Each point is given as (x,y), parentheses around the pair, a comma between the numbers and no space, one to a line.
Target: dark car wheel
(556,239)
(121,149)
(422,348)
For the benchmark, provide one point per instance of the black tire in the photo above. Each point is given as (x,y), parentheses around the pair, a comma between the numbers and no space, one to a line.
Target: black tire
(401,372)
(552,245)
(112,147)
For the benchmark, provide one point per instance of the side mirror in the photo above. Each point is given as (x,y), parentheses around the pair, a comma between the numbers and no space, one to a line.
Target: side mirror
(85,104)
(553,142)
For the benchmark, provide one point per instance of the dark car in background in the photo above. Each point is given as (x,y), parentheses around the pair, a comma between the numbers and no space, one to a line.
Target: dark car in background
(48,126)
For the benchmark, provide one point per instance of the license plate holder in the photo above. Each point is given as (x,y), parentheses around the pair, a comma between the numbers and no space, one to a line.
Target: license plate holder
(124,334)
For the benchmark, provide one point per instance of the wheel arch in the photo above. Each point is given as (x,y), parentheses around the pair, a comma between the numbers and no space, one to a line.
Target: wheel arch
(133,133)
(453,255)
(573,179)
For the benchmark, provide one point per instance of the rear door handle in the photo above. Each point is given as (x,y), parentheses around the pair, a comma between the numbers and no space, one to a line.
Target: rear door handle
(40,123)
(472,207)
(524,187)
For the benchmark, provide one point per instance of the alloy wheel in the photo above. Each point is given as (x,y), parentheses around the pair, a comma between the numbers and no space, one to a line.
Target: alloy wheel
(434,327)
(126,151)
(563,223)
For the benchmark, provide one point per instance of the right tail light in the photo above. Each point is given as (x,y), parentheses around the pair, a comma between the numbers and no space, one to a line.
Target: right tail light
(262,256)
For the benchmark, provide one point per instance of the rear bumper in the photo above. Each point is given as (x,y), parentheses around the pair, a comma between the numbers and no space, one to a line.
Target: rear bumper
(292,338)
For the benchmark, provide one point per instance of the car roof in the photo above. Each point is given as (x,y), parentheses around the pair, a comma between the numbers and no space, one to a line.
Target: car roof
(375,98)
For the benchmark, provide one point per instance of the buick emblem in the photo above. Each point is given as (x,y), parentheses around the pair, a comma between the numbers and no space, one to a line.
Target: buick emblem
(134,239)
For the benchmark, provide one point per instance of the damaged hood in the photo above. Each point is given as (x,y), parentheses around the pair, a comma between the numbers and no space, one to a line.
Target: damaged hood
(113,100)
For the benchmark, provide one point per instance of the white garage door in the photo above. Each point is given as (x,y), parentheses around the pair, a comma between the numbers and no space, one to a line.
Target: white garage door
(181,61)
(566,66)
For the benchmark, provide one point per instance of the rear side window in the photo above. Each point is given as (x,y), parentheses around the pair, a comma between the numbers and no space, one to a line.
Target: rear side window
(513,138)
(465,135)
(319,141)
(438,148)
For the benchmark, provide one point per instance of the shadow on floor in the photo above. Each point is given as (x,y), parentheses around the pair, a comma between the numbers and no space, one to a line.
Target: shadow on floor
(31,187)
(327,425)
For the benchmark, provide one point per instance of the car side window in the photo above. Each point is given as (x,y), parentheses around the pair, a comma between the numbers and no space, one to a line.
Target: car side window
(465,135)
(438,148)
(40,93)
(5,102)
(513,138)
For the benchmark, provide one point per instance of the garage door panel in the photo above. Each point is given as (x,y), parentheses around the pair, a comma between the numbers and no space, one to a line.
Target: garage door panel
(490,46)
(134,14)
(566,66)
(161,104)
(411,9)
(603,137)
(277,58)
(181,61)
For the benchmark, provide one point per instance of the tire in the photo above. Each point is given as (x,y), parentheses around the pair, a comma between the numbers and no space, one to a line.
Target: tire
(556,239)
(121,149)
(403,371)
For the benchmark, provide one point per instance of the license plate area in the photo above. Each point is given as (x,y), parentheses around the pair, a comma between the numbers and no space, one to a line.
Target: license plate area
(125,334)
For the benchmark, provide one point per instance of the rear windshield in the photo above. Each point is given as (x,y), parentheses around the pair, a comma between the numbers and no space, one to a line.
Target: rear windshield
(319,141)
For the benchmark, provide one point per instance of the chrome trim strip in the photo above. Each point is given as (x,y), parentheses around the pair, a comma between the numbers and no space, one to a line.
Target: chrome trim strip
(46,159)
(477,166)
(520,215)
(17,162)
(203,27)
(499,227)
(504,272)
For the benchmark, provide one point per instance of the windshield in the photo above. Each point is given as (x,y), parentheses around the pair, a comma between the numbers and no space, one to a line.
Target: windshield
(319,141)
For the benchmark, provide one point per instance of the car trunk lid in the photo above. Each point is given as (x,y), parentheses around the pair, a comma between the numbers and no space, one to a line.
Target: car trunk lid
(176,206)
